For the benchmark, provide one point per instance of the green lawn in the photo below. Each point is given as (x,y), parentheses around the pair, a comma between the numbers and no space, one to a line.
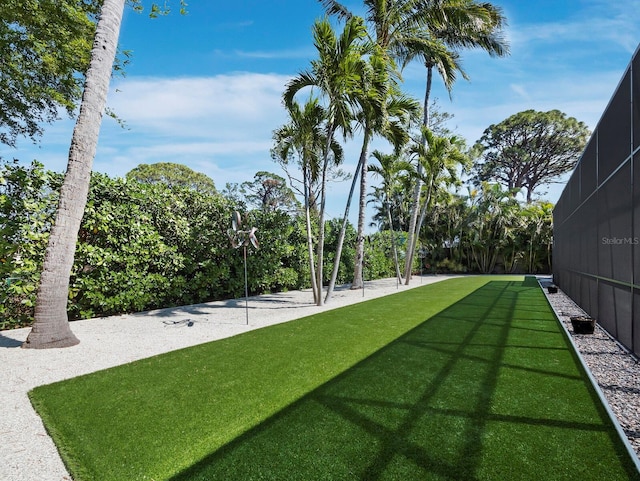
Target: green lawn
(468,379)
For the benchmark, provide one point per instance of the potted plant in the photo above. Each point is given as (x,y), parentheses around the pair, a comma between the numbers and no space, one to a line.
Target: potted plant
(583,324)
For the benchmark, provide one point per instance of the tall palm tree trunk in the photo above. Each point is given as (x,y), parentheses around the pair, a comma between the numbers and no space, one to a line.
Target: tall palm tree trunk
(358,270)
(394,247)
(414,227)
(307,214)
(323,199)
(320,246)
(343,228)
(51,326)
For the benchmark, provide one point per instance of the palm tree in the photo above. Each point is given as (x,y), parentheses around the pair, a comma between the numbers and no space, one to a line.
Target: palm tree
(336,76)
(399,110)
(305,136)
(448,26)
(394,26)
(383,110)
(394,23)
(370,99)
(492,218)
(438,160)
(51,326)
(433,31)
(388,169)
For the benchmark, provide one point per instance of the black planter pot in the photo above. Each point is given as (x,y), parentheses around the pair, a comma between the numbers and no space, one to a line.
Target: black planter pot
(583,324)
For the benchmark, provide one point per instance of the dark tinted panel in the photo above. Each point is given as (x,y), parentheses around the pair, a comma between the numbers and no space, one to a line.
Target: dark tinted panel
(636,102)
(574,190)
(636,218)
(615,311)
(614,131)
(636,323)
(588,170)
(615,235)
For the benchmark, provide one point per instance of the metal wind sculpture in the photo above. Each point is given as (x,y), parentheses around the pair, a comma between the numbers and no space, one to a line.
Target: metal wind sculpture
(242,238)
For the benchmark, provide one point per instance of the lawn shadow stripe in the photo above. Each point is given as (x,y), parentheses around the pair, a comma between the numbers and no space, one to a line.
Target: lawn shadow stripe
(285,446)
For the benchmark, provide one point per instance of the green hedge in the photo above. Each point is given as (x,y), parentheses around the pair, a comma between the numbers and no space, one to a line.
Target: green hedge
(145,246)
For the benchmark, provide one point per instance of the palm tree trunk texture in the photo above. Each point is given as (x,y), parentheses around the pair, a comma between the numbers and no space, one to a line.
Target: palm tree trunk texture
(358,270)
(323,199)
(413,223)
(343,228)
(394,248)
(312,267)
(51,327)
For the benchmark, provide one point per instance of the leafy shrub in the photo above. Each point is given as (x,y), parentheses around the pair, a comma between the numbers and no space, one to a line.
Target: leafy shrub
(143,246)
(28,198)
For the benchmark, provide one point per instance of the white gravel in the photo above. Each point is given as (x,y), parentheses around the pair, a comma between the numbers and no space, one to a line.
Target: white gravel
(27,453)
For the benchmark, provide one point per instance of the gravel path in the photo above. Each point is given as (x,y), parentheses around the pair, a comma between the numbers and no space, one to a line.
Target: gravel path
(27,453)
(616,371)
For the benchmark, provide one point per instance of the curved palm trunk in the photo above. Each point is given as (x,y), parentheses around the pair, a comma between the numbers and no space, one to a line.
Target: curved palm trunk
(307,214)
(415,208)
(423,214)
(51,326)
(320,247)
(413,220)
(394,248)
(323,199)
(358,278)
(343,228)
(358,270)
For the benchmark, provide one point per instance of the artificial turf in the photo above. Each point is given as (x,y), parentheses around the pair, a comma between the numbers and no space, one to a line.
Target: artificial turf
(469,379)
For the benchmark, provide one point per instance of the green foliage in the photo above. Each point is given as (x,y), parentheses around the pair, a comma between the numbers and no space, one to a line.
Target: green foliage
(281,262)
(149,245)
(449,266)
(157,9)
(173,175)
(488,232)
(269,191)
(28,197)
(144,245)
(378,255)
(347,259)
(44,47)
(122,262)
(530,149)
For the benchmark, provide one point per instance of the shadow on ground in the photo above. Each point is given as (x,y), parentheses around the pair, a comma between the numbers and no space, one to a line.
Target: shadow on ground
(6,342)
(486,389)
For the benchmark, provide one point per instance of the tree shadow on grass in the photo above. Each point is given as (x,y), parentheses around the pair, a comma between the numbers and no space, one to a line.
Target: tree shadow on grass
(466,395)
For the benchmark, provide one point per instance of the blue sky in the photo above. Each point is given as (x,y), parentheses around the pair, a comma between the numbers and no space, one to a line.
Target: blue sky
(205,89)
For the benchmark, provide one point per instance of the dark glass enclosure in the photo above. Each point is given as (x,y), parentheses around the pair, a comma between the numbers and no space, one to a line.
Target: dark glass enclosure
(596,232)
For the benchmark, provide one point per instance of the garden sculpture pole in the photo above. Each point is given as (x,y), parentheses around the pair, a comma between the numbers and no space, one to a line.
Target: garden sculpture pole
(242,238)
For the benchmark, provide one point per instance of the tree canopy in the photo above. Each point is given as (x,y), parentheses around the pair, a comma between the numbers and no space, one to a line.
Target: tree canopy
(530,149)
(45,47)
(269,192)
(173,175)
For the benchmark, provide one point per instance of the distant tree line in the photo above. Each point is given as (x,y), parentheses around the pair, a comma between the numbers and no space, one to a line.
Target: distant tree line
(144,244)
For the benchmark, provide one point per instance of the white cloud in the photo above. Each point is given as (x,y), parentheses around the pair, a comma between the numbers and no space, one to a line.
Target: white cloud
(306,52)
(161,102)
(224,121)
(521,91)
(604,24)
